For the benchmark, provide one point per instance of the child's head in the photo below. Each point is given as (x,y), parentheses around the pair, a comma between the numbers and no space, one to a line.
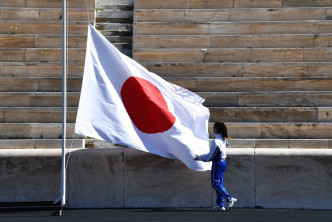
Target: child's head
(220,128)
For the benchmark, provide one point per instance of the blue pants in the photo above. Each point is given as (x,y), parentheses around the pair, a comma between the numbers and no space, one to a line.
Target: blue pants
(217,172)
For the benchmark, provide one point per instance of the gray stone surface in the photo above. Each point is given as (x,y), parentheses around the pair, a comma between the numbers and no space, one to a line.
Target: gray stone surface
(127,178)
(294,178)
(96,178)
(150,181)
(29,175)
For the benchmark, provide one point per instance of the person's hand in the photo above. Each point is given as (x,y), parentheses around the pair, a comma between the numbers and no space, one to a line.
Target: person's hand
(196,158)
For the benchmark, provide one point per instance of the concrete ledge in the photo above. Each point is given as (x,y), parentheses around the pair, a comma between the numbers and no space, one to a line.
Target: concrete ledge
(127,178)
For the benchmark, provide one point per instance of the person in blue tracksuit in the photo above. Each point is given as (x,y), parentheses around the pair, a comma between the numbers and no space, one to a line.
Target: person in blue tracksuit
(218,156)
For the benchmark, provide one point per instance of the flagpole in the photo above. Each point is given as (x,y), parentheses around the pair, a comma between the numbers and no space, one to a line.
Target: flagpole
(64,103)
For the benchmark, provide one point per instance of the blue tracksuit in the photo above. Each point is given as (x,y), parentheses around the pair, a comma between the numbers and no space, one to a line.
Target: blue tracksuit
(218,156)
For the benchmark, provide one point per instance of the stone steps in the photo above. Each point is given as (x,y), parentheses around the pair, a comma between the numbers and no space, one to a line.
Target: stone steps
(212,99)
(277,130)
(39,41)
(40,27)
(222,99)
(234,41)
(40,143)
(43,70)
(237,130)
(41,55)
(231,15)
(45,14)
(239,69)
(114,19)
(47,4)
(233,28)
(8,84)
(250,84)
(177,69)
(37,99)
(35,131)
(246,143)
(318,54)
(222,4)
(235,84)
(36,114)
(226,114)
(268,99)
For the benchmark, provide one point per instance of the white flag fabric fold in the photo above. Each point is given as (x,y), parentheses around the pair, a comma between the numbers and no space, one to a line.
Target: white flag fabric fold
(123,103)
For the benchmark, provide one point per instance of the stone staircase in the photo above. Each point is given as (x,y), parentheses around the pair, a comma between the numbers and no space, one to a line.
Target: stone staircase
(31,71)
(264,67)
(114,19)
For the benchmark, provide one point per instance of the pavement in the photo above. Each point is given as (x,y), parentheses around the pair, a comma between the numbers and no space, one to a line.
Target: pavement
(164,214)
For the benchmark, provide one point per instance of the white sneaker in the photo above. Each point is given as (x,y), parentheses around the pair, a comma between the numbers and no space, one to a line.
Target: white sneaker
(231,203)
(219,208)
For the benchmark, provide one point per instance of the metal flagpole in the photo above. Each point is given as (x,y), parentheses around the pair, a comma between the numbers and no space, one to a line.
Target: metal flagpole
(62,197)
(64,102)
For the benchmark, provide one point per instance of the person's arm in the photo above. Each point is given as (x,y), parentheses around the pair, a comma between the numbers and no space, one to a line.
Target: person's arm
(209,156)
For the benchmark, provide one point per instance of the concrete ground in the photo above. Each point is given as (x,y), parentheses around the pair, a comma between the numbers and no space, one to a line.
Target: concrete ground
(164,214)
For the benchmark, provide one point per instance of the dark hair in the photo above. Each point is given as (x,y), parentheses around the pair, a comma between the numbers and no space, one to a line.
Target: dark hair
(221,129)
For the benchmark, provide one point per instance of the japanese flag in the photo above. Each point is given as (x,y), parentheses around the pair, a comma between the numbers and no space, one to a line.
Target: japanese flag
(123,103)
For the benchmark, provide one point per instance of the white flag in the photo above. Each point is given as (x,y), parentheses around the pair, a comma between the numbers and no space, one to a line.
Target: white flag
(123,103)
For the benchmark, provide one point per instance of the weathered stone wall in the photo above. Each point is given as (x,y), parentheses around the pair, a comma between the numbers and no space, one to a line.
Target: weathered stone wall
(127,178)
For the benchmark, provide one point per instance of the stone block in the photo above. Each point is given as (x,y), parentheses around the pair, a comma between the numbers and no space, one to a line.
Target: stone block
(12,55)
(323,99)
(273,143)
(220,99)
(195,69)
(296,27)
(309,143)
(276,55)
(172,29)
(264,41)
(30,175)
(228,55)
(282,69)
(307,3)
(291,178)
(13,99)
(167,55)
(150,180)
(171,41)
(243,130)
(49,130)
(228,28)
(15,130)
(153,4)
(275,99)
(281,14)
(211,4)
(17,41)
(324,114)
(322,27)
(202,16)
(297,130)
(156,15)
(13,3)
(263,114)
(257,4)
(20,14)
(241,143)
(96,178)
(317,55)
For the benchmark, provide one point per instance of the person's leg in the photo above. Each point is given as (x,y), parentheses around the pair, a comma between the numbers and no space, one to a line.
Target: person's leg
(218,170)
(219,199)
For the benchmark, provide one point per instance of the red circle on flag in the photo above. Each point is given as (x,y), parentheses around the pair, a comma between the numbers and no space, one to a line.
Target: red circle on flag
(146,106)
